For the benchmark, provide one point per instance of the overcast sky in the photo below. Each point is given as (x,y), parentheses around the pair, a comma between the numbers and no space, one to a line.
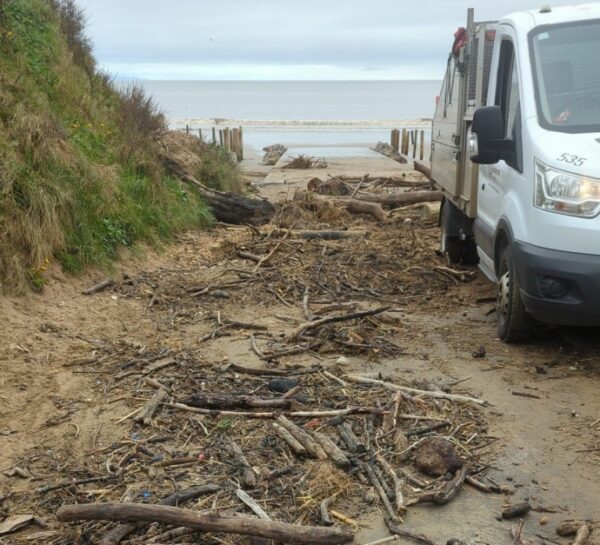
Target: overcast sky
(281,39)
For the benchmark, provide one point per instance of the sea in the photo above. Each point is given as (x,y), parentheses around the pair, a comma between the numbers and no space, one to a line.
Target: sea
(304,114)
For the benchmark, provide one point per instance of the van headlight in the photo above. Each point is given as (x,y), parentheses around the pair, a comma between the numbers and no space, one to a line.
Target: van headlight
(564,193)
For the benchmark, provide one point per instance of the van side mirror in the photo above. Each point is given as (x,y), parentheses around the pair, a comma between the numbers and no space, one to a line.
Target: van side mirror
(488,145)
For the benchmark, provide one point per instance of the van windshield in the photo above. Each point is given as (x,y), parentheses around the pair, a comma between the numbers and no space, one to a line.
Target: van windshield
(566,68)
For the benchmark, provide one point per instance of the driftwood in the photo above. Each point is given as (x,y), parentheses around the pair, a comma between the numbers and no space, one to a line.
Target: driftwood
(306,326)
(292,442)
(332,450)
(248,475)
(582,534)
(224,401)
(271,414)
(447,492)
(120,532)
(414,391)
(226,206)
(325,235)
(304,438)
(268,372)
(256,509)
(324,508)
(402,198)
(423,168)
(382,494)
(400,530)
(279,531)
(352,442)
(353,206)
(98,287)
(146,414)
(397,482)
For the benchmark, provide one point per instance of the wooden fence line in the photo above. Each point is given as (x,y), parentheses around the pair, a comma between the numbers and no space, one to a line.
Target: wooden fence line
(409,142)
(229,138)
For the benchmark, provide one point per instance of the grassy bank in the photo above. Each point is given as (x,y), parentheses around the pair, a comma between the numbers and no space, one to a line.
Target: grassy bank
(79,169)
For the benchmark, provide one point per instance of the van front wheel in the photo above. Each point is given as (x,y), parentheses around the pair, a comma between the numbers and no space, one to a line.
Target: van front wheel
(514,322)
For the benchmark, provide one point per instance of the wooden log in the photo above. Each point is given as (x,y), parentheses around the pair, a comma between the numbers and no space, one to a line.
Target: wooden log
(353,206)
(402,198)
(225,401)
(292,442)
(279,531)
(423,167)
(146,414)
(226,206)
(98,287)
(352,442)
(248,475)
(304,438)
(334,452)
(120,532)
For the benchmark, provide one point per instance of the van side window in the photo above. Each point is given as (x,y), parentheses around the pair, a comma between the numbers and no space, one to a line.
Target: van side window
(508,98)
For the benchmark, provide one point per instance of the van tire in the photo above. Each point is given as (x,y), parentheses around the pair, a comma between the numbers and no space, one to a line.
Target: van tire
(470,255)
(514,323)
(451,245)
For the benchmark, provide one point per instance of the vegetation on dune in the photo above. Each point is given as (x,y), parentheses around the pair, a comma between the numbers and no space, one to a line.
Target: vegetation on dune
(80,174)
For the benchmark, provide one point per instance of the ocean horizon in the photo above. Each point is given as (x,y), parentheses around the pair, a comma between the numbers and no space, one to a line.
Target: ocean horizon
(298,113)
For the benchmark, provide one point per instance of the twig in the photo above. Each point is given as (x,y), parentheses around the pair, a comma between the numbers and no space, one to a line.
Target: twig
(398,495)
(425,393)
(306,326)
(248,475)
(324,508)
(405,532)
(256,509)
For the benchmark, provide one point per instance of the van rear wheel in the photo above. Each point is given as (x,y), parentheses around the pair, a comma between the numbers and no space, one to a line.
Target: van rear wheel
(451,245)
(514,323)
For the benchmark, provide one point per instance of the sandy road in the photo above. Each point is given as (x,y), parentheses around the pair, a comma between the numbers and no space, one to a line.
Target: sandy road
(547,446)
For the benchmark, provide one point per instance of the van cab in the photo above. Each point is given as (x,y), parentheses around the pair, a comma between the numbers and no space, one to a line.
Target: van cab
(531,212)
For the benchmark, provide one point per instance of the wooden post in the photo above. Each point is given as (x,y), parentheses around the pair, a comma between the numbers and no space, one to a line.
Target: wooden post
(221,138)
(187,128)
(214,135)
(414,135)
(241,134)
(404,142)
(227,139)
(200,135)
(422,153)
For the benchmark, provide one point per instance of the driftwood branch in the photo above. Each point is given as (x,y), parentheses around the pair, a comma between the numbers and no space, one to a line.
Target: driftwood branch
(414,391)
(279,531)
(248,475)
(304,438)
(401,530)
(120,532)
(306,326)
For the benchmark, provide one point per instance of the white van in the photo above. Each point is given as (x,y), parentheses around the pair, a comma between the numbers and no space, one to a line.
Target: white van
(516,151)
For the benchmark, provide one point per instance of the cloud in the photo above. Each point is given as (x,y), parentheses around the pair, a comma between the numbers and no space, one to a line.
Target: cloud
(280,39)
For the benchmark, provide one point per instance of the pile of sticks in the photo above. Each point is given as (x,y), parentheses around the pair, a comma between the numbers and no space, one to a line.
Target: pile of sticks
(259,440)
